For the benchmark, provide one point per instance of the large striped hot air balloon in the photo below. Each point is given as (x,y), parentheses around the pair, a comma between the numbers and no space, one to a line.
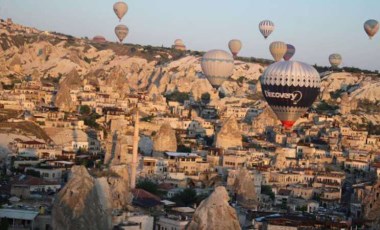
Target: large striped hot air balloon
(235,46)
(371,27)
(218,66)
(121,32)
(335,60)
(290,51)
(120,9)
(278,50)
(266,28)
(290,88)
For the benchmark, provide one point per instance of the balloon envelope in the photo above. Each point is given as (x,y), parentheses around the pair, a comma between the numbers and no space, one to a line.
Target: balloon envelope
(121,32)
(290,51)
(335,60)
(218,66)
(278,50)
(290,88)
(371,27)
(266,27)
(120,9)
(235,46)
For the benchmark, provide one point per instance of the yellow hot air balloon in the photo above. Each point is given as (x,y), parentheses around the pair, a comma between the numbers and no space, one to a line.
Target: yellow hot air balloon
(218,66)
(235,46)
(120,9)
(121,32)
(278,50)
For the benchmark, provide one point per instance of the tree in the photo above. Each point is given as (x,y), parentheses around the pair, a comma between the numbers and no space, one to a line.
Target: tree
(183,149)
(148,186)
(267,190)
(4,224)
(206,98)
(185,198)
(85,110)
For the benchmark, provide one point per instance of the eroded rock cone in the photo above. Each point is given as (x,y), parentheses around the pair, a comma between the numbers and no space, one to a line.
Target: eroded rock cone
(214,213)
(165,139)
(229,135)
(245,189)
(80,205)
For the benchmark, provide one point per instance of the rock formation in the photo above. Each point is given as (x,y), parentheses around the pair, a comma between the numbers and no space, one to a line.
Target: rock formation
(264,120)
(215,213)
(63,100)
(245,189)
(165,139)
(229,135)
(79,205)
(119,187)
(371,203)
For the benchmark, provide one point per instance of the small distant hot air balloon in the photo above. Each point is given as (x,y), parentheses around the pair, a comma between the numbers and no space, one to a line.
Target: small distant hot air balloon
(121,32)
(179,45)
(371,27)
(291,50)
(266,28)
(218,66)
(290,88)
(235,46)
(120,9)
(335,60)
(278,50)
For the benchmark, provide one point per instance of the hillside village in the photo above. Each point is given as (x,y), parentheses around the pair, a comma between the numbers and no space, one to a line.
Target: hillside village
(69,108)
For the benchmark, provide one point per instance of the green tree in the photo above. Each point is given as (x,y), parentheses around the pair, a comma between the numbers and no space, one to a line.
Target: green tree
(85,110)
(148,186)
(4,224)
(206,98)
(183,149)
(185,198)
(267,190)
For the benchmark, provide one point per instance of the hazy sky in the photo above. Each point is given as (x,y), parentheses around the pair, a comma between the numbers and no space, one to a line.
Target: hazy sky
(316,28)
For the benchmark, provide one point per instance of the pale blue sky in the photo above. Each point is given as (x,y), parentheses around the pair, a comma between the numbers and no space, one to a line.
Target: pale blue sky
(316,28)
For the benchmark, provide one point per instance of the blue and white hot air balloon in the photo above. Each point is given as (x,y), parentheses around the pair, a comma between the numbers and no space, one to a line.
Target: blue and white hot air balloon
(290,88)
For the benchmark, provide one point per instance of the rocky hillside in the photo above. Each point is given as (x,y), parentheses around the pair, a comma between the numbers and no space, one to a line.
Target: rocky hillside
(28,52)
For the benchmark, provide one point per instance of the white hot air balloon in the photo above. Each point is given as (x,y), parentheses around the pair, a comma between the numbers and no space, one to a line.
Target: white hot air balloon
(278,50)
(335,60)
(218,66)
(121,32)
(120,9)
(235,46)
(266,27)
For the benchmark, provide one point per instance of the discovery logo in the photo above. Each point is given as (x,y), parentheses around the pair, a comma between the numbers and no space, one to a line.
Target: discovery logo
(295,96)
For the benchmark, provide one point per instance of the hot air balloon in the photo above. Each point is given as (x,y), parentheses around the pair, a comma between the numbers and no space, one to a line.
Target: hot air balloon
(120,9)
(218,66)
(291,50)
(235,46)
(121,32)
(371,27)
(290,88)
(266,28)
(335,60)
(278,50)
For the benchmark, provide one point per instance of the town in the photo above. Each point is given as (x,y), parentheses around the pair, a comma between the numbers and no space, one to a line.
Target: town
(76,112)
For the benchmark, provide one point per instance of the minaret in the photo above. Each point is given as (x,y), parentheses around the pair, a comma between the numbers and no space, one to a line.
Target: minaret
(135,148)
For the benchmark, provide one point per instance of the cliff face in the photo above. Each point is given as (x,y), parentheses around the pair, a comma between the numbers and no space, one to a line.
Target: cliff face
(215,213)
(79,204)
(229,135)
(165,139)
